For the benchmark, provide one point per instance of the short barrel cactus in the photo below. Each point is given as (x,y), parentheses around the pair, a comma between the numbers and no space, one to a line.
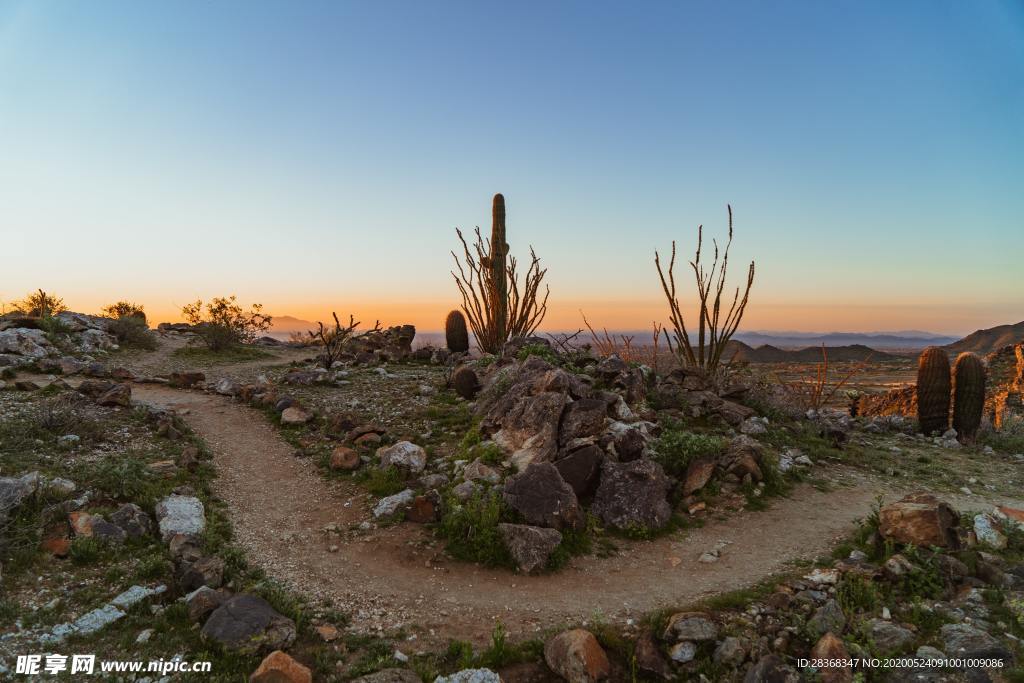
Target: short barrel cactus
(933,390)
(455,333)
(968,395)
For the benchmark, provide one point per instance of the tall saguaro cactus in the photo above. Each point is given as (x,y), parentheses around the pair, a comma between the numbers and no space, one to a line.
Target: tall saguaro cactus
(499,266)
(495,306)
(968,395)
(933,390)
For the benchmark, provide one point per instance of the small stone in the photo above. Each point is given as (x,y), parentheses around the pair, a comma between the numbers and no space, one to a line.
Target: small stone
(827,618)
(830,648)
(247,623)
(180,515)
(986,531)
(328,632)
(529,546)
(888,637)
(392,504)
(730,652)
(683,652)
(693,626)
(478,471)
(294,415)
(404,455)
(576,656)
(344,458)
(470,676)
(279,667)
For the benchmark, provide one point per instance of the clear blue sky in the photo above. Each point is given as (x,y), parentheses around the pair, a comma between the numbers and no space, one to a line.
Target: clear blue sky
(318,155)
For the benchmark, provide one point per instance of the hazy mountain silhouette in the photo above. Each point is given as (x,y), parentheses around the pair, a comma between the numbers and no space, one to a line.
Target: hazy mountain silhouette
(983,342)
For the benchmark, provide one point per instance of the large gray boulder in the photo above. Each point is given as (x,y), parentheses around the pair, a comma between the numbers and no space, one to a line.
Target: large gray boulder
(633,496)
(583,418)
(543,498)
(964,641)
(247,623)
(529,432)
(581,469)
(21,341)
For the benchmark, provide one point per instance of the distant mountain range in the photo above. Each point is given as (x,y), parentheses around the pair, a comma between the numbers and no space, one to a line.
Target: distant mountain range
(282,326)
(983,342)
(790,346)
(901,341)
(811,354)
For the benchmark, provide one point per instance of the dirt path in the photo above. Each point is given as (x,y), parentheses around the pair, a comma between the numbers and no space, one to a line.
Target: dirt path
(163,359)
(398,577)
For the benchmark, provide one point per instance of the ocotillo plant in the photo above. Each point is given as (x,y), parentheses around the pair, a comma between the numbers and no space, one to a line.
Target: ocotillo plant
(494,306)
(455,334)
(713,331)
(933,388)
(968,395)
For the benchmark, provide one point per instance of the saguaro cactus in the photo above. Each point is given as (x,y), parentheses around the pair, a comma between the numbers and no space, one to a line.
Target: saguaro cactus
(455,334)
(968,395)
(933,389)
(498,305)
(499,266)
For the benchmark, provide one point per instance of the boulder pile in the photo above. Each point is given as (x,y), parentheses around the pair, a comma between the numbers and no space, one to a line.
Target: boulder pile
(23,342)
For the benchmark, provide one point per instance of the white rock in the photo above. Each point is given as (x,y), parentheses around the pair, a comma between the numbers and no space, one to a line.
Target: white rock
(470,676)
(753,426)
(135,595)
(683,652)
(392,504)
(25,342)
(403,455)
(985,530)
(180,515)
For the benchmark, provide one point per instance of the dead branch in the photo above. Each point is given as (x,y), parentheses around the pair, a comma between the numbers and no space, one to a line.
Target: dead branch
(334,341)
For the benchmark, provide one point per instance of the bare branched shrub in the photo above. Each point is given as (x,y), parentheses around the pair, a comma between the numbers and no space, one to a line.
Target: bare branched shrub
(39,304)
(479,296)
(606,344)
(813,390)
(565,342)
(225,324)
(334,340)
(713,331)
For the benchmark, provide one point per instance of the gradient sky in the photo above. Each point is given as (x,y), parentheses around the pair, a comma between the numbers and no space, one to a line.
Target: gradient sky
(317,156)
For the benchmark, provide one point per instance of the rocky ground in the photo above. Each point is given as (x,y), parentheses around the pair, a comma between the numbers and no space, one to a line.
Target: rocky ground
(544,516)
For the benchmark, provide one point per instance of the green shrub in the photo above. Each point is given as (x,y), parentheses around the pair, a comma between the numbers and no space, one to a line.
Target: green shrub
(381,481)
(542,350)
(676,448)
(471,529)
(856,594)
(85,551)
(223,324)
(132,332)
(121,477)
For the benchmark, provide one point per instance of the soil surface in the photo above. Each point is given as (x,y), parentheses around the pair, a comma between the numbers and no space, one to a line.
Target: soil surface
(397,577)
(309,532)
